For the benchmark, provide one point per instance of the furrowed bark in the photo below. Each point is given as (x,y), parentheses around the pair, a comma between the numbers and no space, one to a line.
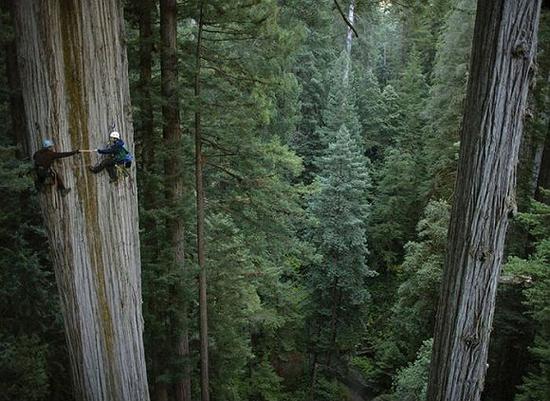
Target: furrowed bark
(503,50)
(73,68)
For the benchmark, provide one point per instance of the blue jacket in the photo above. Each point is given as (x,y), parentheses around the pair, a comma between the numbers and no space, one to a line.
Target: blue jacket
(118,151)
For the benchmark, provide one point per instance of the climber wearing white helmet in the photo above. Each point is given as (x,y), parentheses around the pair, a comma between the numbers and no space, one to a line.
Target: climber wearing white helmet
(115,154)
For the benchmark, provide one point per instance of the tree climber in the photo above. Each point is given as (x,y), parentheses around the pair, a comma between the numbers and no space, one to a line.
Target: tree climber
(43,160)
(115,155)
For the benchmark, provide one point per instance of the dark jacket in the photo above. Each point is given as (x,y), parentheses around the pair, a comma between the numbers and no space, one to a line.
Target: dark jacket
(117,151)
(45,157)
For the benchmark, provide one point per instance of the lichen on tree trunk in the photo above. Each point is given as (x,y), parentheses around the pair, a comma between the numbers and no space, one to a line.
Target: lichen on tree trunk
(73,67)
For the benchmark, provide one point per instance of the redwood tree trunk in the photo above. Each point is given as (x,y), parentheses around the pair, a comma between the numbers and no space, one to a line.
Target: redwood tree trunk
(502,56)
(74,81)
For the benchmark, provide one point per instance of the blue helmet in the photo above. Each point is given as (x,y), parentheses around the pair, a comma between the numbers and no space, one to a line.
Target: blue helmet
(48,143)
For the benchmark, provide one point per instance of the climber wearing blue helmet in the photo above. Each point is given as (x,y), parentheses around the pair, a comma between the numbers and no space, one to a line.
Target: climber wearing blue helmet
(43,160)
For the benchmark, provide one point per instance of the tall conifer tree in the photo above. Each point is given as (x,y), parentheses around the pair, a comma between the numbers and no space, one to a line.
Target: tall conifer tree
(338,283)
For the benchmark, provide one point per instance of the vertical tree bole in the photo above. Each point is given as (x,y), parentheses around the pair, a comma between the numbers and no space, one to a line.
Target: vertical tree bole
(17,108)
(199,184)
(73,68)
(173,168)
(503,49)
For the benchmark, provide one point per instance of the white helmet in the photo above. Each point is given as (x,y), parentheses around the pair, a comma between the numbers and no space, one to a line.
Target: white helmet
(115,135)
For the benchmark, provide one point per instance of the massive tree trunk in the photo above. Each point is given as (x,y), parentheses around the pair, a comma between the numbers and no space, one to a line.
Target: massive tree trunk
(173,168)
(503,50)
(74,80)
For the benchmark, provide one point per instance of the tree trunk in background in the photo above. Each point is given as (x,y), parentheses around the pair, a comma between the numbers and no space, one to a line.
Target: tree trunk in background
(541,174)
(536,165)
(17,107)
(349,40)
(161,392)
(503,50)
(199,181)
(18,129)
(74,80)
(543,179)
(533,142)
(172,134)
(145,136)
(145,9)
(333,321)
(541,160)
(183,387)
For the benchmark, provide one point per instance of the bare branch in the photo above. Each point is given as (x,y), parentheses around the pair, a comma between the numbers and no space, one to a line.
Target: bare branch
(234,77)
(233,39)
(226,171)
(348,23)
(226,31)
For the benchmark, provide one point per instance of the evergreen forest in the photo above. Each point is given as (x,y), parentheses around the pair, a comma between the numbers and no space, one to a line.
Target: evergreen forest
(327,200)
